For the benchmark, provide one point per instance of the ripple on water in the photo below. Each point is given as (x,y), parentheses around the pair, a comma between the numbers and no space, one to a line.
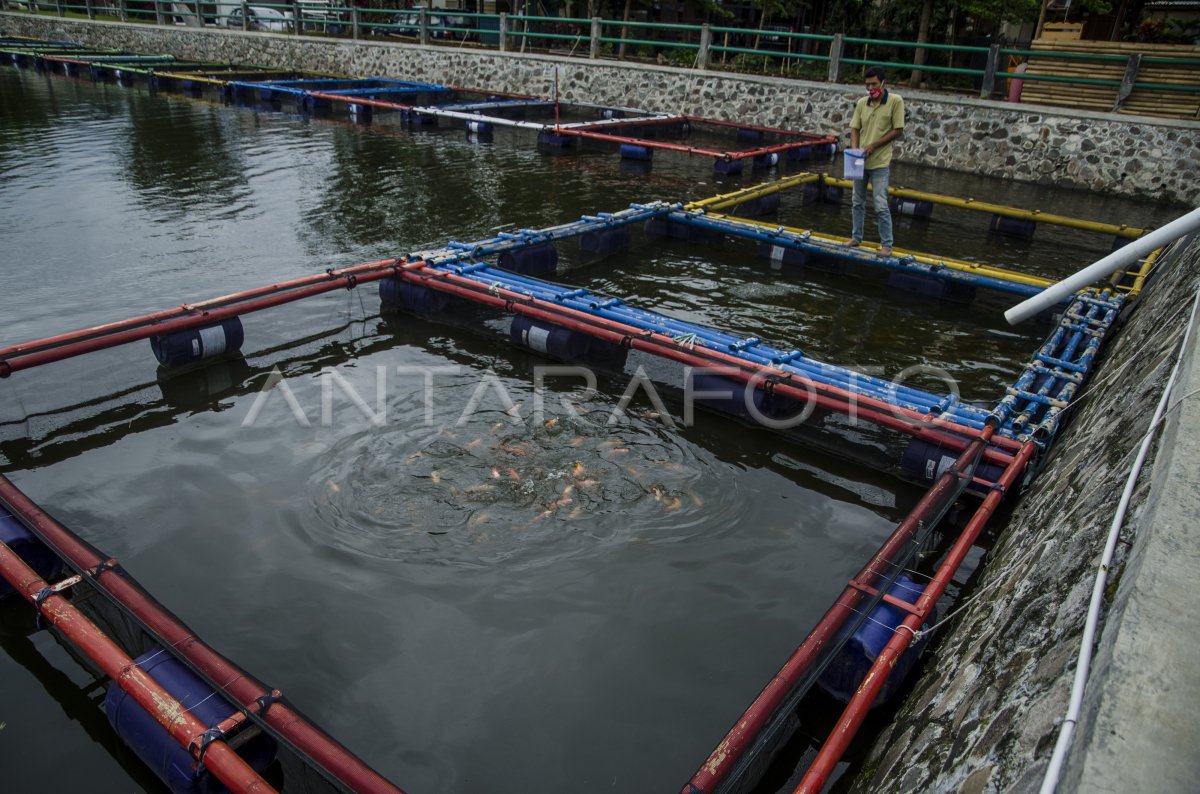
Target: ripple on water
(486,493)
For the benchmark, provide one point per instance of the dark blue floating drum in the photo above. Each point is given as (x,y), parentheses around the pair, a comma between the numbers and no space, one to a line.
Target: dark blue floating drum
(25,545)
(727,396)
(800,153)
(632,151)
(766,160)
(604,242)
(932,286)
(850,666)
(780,255)
(816,191)
(360,114)
(172,763)
(552,140)
(677,230)
(910,207)
(612,113)
(563,343)
(923,462)
(731,167)
(532,260)
(395,293)
(1017,227)
(749,135)
(759,206)
(198,344)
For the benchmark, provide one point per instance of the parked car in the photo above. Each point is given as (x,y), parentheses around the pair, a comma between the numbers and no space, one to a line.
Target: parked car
(262,18)
(408,23)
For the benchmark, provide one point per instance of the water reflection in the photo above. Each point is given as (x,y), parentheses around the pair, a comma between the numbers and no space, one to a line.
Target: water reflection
(179,158)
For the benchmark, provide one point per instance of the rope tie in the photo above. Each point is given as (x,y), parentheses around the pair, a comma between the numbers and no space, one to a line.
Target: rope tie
(206,739)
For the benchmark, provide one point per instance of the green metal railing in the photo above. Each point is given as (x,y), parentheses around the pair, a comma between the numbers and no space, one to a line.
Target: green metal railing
(698,46)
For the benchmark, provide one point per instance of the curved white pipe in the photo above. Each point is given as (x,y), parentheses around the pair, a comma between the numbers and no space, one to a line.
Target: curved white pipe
(1053,295)
(1067,730)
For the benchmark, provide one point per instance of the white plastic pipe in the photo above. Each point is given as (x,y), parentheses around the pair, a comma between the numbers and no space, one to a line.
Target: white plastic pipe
(1083,666)
(1122,257)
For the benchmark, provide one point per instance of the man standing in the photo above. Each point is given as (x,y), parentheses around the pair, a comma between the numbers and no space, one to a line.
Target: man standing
(878,120)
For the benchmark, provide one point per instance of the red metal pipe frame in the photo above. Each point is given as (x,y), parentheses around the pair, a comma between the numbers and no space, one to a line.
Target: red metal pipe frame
(742,735)
(842,400)
(581,132)
(45,351)
(339,762)
(188,309)
(856,710)
(182,726)
(74,343)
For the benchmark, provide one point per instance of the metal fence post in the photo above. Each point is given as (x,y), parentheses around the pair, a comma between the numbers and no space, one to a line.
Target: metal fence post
(835,58)
(123,7)
(59,7)
(1131,72)
(158,13)
(705,44)
(423,26)
(296,17)
(91,10)
(245,15)
(989,72)
(594,49)
(502,34)
(355,22)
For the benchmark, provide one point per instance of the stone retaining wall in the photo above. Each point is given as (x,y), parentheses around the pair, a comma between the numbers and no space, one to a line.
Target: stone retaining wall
(985,713)
(1137,157)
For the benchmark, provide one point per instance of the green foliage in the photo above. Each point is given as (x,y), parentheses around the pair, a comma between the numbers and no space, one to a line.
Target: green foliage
(1167,31)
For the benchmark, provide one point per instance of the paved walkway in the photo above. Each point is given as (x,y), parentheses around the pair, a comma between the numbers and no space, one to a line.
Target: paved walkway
(1141,724)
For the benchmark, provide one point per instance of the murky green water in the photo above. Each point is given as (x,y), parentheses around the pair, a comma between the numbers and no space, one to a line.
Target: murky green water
(469,599)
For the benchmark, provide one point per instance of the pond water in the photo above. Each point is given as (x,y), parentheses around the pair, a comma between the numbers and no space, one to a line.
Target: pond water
(469,595)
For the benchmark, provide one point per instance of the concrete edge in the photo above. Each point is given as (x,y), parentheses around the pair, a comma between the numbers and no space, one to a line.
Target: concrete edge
(1141,713)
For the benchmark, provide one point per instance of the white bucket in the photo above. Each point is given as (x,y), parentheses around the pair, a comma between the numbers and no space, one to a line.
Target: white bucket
(855,161)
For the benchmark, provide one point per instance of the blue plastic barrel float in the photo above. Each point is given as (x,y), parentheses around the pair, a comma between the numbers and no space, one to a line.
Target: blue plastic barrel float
(633,151)
(924,461)
(604,242)
(172,763)
(914,208)
(564,343)
(198,344)
(532,260)
(25,545)
(932,286)
(847,670)
(781,255)
(395,293)
(1017,227)
(759,206)
(728,396)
